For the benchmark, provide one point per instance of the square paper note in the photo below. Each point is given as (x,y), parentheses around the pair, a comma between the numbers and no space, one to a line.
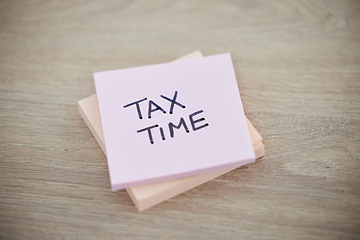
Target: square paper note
(172,120)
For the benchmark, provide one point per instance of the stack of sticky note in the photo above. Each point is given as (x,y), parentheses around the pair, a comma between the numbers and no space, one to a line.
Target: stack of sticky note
(167,128)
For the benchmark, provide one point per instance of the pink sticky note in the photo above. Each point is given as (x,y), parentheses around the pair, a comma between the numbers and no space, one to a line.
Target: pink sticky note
(146,196)
(157,129)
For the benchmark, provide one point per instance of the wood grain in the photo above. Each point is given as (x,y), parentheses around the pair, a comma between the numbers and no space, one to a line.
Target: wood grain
(298,69)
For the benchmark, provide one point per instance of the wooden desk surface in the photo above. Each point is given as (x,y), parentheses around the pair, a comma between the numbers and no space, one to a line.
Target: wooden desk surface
(298,69)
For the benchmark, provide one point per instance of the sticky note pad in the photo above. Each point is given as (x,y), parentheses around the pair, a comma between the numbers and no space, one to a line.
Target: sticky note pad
(173,120)
(149,195)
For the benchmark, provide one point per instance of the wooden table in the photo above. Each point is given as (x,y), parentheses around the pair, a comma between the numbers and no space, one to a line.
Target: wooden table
(298,70)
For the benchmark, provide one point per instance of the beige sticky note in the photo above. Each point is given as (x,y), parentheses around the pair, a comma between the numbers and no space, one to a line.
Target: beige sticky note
(149,195)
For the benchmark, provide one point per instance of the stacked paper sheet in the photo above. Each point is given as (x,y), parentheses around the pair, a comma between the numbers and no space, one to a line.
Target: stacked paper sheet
(157,190)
